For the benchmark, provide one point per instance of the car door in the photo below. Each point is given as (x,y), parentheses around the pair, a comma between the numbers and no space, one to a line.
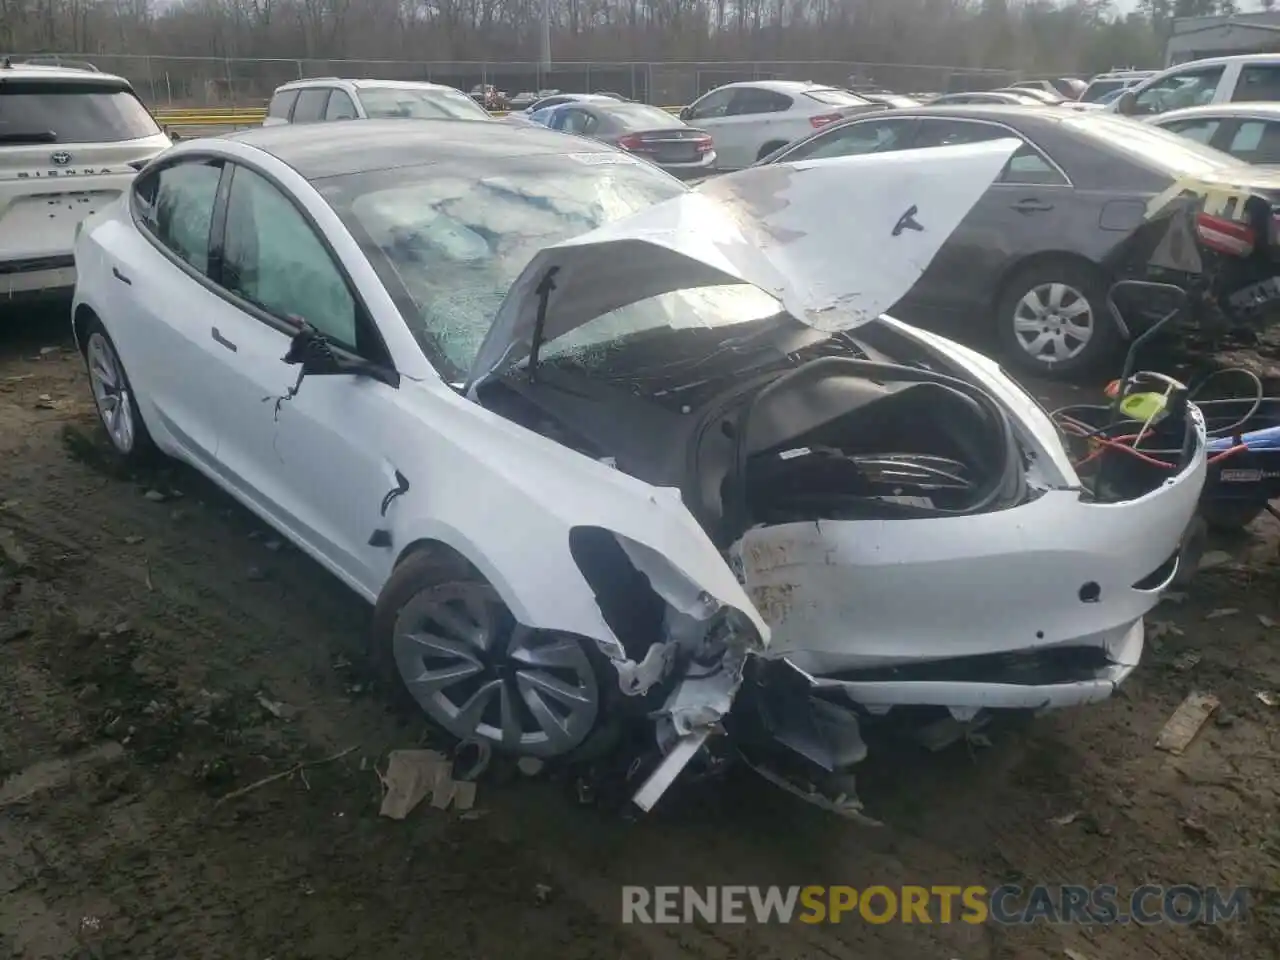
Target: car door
(310,105)
(1028,209)
(280,107)
(312,458)
(709,111)
(159,295)
(340,106)
(756,118)
(573,119)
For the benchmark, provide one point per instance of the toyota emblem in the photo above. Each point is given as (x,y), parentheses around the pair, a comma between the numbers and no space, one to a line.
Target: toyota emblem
(61,158)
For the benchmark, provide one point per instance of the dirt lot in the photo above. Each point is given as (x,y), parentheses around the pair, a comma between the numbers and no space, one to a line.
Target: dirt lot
(141,618)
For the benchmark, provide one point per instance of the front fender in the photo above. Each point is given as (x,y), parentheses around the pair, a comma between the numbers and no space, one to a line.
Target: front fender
(508,499)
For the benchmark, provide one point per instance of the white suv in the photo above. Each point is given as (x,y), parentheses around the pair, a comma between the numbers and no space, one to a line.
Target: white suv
(749,121)
(71,140)
(331,98)
(1252,78)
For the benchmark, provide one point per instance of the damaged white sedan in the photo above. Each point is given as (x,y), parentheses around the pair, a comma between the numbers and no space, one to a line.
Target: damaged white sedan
(606,451)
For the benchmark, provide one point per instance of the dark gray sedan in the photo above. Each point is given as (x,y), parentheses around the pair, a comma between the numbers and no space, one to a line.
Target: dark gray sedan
(648,132)
(1033,255)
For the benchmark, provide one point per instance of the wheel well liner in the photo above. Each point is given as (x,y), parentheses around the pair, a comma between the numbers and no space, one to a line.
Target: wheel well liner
(1001,286)
(80,321)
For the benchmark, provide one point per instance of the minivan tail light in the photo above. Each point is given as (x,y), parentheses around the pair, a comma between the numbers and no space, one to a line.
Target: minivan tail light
(822,119)
(1225,236)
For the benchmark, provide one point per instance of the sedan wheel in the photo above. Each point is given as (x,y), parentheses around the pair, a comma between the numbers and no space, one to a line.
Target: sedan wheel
(1053,319)
(113,396)
(1053,322)
(481,675)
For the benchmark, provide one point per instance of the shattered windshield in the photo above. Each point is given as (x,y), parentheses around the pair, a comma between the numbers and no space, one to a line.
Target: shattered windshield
(449,242)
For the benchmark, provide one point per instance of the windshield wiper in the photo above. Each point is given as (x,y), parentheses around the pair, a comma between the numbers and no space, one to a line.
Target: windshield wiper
(547,284)
(29,136)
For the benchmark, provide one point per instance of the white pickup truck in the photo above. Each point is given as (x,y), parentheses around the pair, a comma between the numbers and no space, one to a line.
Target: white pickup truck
(748,121)
(1251,78)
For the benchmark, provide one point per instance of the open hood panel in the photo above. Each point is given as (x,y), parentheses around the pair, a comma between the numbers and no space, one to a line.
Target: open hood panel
(837,241)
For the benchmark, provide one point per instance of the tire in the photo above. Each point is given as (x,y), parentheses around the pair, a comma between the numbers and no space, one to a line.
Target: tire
(114,399)
(1230,516)
(770,147)
(1052,299)
(439,616)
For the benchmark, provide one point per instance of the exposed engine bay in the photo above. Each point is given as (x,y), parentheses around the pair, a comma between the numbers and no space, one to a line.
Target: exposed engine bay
(777,424)
(792,448)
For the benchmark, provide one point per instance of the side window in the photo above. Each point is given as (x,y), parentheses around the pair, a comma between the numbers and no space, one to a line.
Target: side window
(340,107)
(175,204)
(310,105)
(556,118)
(1201,131)
(1256,141)
(273,258)
(714,104)
(944,133)
(873,136)
(751,100)
(1028,166)
(573,120)
(1191,88)
(1258,82)
(281,104)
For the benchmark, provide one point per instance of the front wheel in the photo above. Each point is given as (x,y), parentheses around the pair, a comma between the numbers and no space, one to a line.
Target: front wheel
(1053,320)
(114,399)
(444,636)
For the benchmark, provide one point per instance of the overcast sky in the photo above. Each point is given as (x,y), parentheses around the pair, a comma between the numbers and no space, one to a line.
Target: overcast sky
(1246,6)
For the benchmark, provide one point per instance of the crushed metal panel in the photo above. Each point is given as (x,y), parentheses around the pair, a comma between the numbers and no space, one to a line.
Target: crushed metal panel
(836,241)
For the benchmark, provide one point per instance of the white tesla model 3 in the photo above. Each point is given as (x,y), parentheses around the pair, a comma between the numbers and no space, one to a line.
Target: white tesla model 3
(598,446)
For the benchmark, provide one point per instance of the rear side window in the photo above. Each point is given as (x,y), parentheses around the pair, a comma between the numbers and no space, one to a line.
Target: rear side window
(310,105)
(1256,141)
(872,136)
(836,98)
(73,112)
(1027,167)
(1257,83)
(175,204)
(1201,131)
(281,104)
(748,100)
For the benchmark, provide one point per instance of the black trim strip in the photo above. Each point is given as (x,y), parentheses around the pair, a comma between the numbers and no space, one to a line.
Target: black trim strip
(34,264)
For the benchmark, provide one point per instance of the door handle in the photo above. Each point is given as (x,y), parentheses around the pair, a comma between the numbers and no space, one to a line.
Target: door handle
(223,341)
(1032,206)
(115,272)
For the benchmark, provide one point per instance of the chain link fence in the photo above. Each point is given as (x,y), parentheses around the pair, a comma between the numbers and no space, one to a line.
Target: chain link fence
(168,82)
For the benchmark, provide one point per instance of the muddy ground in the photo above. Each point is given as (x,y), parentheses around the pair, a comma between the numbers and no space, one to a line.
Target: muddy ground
(141,619)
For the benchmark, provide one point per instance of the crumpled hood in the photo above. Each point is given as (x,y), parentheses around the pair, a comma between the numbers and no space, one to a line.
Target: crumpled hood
(837,241)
